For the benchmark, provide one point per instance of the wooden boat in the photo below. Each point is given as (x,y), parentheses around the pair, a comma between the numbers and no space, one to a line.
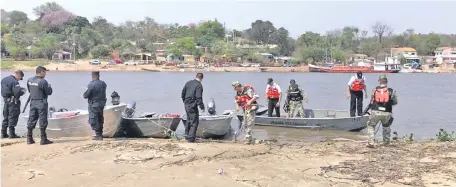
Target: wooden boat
(151,125)
(150,70)
(350,69)
(76,123)
(214,127)
(320,119)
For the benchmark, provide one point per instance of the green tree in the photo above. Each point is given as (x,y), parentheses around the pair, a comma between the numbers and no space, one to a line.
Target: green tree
(338,55)
(17,17)
(309,39)
(282,39)
(48,45)
(432,42)
(261,31)
(212,28)
(100,51)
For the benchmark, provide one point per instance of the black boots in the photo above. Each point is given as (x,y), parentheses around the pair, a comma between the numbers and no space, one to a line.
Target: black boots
(4,134)
(98,136)
(13,133)
(30,136)
(44,139)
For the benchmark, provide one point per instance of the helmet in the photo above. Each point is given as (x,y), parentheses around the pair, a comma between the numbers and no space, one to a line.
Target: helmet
(236,84)
(382,76)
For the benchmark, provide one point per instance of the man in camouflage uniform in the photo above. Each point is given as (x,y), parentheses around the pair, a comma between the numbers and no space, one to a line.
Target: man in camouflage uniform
(246,99)
(383,99)
(295,96)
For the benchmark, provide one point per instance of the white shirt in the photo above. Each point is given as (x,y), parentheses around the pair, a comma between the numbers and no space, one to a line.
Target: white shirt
(353,78)
(275,85)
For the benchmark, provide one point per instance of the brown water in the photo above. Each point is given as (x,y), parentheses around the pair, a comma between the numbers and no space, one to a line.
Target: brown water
(426,101)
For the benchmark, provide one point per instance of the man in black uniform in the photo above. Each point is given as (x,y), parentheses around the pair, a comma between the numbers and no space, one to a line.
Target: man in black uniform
(96,96)
(192,96)
(39,90)
(11,93)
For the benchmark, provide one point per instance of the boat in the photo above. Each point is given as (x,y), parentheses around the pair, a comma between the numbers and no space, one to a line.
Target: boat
(150,70)
(213,126)
(263,69)
(411,68)
(318,118)
(151,125)
(377,68)
(75,123)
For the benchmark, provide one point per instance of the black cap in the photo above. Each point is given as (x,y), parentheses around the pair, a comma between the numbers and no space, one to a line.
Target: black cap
(20,73)
(292,81)
(359,74)
(40,69)
(270,80)
(97,73)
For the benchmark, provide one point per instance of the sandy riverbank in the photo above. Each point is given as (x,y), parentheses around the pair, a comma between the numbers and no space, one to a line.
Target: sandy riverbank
(151,162)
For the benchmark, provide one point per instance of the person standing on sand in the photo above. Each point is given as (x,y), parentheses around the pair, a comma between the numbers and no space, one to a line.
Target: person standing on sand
(192,96)
(39,90)
(382,102)
(295,96)
(246,99)
(356,86)
(11,93)
(96,96)
(274,97)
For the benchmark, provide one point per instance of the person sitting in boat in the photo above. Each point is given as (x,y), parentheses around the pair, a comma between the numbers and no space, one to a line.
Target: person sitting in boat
(356,86)
(246,99)
(295,96)
(274,97)
(382,102)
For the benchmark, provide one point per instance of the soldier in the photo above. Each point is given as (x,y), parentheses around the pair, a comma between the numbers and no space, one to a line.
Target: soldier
(39,90)
(96,96)
(295,96)
(192,96)
(246,99)
(383,99)
(11,93)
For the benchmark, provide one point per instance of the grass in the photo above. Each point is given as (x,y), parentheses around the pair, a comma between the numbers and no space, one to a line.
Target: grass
(11,64)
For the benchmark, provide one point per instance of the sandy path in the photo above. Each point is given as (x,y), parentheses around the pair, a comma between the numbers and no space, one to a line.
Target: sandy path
(150,162)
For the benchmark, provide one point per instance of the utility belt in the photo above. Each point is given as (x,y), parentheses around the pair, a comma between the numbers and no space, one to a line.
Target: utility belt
(296,98)
(96,101)
(10,99)
(44,99)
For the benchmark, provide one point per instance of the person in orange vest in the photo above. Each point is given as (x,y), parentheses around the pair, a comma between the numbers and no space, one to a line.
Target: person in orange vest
(274,97)
(356,86)
(246,100)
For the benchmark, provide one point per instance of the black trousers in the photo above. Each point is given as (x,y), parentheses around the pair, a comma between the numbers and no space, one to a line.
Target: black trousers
(96,117)
(356,103)
(38,110)
(11,111)
(192,121)
(272,105)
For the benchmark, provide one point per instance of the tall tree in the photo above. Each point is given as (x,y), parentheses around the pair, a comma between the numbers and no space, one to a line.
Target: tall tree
(261,31)
(45,8)
(380,29)
(16,17)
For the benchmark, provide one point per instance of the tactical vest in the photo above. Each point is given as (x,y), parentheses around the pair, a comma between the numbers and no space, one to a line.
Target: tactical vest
(34,88)
(382,99)
(294,93)
(7,85)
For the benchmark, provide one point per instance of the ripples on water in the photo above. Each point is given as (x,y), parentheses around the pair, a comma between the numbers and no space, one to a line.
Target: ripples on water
(426,101)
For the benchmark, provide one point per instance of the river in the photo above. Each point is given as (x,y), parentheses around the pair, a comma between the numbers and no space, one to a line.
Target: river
(426,101)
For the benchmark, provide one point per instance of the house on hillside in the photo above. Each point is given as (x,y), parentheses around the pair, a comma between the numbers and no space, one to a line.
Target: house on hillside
(445,55)
(62,55)
(403,55)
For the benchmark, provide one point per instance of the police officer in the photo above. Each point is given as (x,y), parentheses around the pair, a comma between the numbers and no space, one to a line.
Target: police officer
(96,96)
(11,93)
(295,96)
(383,99)
(192,96)
(39,90)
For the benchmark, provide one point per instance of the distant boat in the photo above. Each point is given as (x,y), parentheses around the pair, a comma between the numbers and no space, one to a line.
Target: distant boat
(353,69)
(263,69)
(150,70)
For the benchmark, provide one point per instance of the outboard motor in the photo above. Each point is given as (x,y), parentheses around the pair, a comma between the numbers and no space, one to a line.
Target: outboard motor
(115,98)
(130,110)
(211,107)
(51,111)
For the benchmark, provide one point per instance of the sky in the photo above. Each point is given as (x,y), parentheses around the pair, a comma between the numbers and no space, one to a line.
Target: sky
(295,16)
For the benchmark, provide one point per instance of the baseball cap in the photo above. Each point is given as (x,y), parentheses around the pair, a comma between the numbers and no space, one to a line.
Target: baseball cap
(270,80)
(40,69)
(97,73)
(359,74)
(20,73)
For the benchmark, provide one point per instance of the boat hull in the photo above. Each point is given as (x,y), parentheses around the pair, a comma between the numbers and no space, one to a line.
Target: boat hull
(214,127)
(78,126)
(348,69)
(155,127)
(320,119)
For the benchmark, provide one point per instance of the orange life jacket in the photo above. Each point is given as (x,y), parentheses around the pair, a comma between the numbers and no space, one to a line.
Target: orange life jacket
(273,93)
(382,99)
(358,85)
(242,98)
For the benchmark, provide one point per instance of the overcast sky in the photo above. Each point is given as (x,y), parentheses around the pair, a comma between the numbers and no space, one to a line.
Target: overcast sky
(296,16)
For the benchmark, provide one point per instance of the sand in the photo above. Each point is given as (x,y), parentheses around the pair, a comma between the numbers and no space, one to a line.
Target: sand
(152,162)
